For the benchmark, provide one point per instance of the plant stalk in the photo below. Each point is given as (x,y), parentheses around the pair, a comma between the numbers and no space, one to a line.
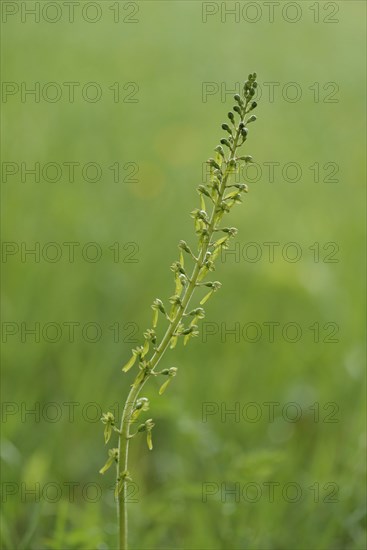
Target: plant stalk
(124,435)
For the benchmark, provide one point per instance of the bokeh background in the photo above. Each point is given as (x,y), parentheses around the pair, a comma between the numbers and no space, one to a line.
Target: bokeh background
(311,452)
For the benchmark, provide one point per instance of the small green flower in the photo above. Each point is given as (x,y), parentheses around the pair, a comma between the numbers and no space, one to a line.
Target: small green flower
(171,373)
(147,427)
(213,164)
(214,287)
(157,306)
(184,246)
(140,352)
(145,371)
(141,405)
(113,456)
(109,420)
(199,313)
(121,480)
(150,334)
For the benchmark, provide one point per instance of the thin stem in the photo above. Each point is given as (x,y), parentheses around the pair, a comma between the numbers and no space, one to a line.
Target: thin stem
(124,436)
(122,465)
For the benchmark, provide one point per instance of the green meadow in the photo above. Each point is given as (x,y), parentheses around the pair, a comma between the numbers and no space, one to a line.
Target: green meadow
(109,112)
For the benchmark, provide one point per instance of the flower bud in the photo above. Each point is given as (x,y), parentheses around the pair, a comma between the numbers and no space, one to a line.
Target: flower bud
(232,231)
(231,116)
(213,163)
(150,334)
(184,246)
(149,424)
(188,330)
(203,190)
(142,404)
(198,312)
(219,149)
(242,187)
(226,128)
(108,418)
(176,300)
(158,304)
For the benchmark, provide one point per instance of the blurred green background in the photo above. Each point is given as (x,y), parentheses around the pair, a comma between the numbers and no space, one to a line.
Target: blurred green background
(311,452)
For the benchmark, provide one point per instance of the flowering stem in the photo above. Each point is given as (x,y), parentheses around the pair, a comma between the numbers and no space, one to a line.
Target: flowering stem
(124,435)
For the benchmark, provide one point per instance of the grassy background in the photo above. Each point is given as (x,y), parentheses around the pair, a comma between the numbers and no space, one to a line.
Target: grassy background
(170,53)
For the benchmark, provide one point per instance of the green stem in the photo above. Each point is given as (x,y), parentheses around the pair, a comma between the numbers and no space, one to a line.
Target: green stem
(124,436)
